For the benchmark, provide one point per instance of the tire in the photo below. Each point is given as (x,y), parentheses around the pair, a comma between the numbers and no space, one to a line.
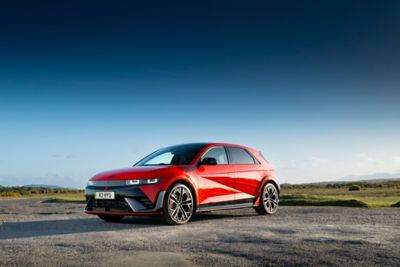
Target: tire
(178,205)
(269,200)
(110,218)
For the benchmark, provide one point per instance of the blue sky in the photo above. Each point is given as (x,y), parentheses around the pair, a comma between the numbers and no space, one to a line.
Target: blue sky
(93,86)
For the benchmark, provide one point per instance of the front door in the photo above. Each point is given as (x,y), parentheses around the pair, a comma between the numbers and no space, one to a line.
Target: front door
(216,182)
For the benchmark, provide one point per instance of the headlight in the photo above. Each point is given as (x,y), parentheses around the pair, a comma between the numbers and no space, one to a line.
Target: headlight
(89,183)
(143,181)
(132,182)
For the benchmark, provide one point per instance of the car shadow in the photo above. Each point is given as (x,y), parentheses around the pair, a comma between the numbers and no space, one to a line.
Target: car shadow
(218,216)
(27,229)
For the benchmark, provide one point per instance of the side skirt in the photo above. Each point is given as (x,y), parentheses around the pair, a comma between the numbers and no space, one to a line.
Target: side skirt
(227,205)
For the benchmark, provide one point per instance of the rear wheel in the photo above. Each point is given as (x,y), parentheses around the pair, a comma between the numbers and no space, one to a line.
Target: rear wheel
(178,205)
(269,200)
(110,218)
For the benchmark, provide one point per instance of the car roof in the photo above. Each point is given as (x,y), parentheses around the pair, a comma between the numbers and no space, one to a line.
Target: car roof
(217,144)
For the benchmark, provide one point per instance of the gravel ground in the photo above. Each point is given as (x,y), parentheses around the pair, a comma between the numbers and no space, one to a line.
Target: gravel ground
(53,234)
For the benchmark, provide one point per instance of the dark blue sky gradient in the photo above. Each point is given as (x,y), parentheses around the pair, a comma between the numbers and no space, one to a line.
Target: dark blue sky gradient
(300,80)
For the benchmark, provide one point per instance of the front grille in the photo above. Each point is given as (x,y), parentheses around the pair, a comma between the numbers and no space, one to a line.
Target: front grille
(115,205)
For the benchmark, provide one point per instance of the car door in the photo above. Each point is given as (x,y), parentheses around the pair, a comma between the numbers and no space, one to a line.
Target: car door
(216,182)
(248,173)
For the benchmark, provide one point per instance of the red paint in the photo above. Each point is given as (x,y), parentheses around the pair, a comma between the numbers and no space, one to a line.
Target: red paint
(209,184)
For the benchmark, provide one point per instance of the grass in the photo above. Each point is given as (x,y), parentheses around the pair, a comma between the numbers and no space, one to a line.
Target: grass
(370,195)
(53,194)
(66,198)
(322,202)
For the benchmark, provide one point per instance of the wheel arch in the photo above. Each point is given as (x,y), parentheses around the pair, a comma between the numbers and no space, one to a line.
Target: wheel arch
(189,184)
(272,181)
(264,181)
(268,179)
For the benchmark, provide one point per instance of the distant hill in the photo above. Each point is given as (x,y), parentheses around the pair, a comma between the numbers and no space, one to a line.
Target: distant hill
(345,182)
(371,177)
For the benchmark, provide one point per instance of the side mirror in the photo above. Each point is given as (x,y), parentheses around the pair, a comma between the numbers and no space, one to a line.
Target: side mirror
(208,161)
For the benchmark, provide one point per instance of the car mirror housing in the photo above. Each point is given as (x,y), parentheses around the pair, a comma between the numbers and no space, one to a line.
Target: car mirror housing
(208,161)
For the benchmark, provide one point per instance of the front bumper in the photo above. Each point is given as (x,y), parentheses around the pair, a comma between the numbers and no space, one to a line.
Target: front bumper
(129,200)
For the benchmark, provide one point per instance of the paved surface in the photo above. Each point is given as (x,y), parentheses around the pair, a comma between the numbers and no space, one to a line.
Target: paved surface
(49,234)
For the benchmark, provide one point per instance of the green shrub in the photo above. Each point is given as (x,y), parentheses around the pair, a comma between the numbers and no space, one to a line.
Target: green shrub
(354,187)
(396,205)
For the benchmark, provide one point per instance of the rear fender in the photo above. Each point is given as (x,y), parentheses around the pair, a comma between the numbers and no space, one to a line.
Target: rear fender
(264,181)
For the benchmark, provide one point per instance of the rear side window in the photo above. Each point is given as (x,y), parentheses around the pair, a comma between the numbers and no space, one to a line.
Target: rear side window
(239,156)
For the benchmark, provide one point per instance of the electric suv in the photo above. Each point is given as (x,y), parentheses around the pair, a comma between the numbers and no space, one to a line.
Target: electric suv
(177,181)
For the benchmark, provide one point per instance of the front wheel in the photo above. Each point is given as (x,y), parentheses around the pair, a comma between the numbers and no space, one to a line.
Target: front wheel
(269,200)
(110,218)
(178,205)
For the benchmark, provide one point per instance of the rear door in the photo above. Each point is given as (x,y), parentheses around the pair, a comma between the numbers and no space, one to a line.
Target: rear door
(216,182)
(248,173)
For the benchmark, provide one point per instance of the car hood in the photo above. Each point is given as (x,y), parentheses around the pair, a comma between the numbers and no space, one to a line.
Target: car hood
(136,172)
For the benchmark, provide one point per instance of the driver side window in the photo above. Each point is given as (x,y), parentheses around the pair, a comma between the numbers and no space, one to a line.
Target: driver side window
(218,153)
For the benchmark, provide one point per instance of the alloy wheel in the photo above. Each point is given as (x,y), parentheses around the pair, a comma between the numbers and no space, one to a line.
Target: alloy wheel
(271,198)
(180,204)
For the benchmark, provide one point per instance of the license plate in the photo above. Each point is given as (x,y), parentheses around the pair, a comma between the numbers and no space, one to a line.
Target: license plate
(104,195)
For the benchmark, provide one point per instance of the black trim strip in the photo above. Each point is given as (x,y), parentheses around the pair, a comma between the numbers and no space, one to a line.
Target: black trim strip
(223,204)
(226,207)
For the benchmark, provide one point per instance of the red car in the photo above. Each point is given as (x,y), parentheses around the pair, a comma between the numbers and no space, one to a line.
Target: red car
(176,181)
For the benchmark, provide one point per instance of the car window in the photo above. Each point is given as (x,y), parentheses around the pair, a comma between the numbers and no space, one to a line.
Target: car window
(162,159)
(174,155)
(239,156)
(218,153)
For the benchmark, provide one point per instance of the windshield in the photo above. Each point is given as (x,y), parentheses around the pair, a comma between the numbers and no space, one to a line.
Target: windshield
(174,155)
